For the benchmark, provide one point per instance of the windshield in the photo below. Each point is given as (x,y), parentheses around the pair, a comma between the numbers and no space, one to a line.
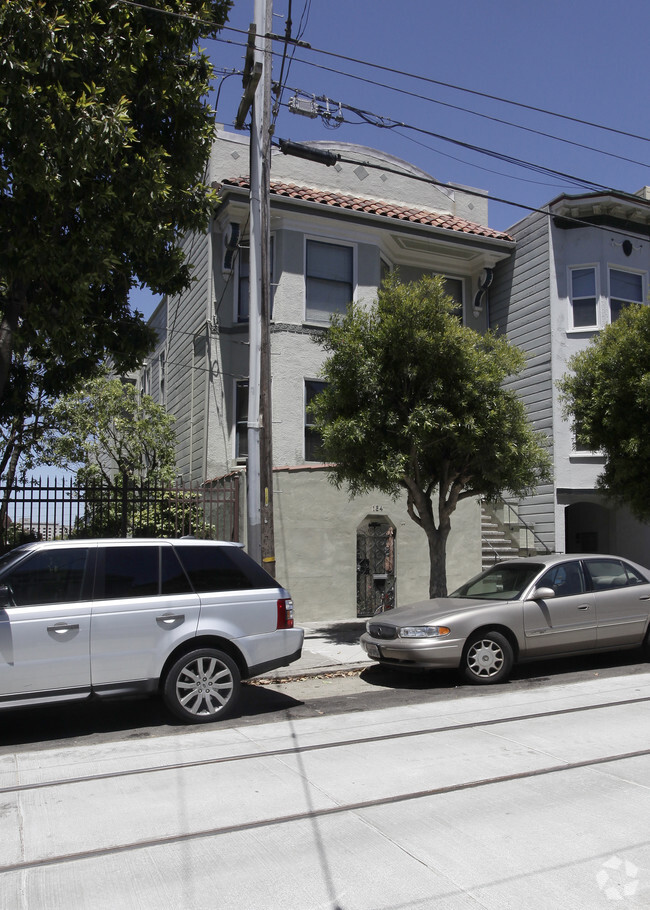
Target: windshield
(505,581)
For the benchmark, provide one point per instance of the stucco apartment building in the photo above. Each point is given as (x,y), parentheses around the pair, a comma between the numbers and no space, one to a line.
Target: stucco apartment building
(576,263)
(334,231)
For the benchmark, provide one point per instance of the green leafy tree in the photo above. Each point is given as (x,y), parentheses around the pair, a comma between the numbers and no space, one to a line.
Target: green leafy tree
(107,431)
(104,136)
(122,446)
(607,397)
(415,401)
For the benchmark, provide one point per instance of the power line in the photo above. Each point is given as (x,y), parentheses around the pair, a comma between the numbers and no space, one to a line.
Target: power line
(458,88)
(385,123)
(479,150)
(465,110)
(297,42)
(578,222)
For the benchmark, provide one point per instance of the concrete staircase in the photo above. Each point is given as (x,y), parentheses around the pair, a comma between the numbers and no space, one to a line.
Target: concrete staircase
(503,535)
(496,543)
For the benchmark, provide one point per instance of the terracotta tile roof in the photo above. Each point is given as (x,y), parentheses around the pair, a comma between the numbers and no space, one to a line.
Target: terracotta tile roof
(375,207)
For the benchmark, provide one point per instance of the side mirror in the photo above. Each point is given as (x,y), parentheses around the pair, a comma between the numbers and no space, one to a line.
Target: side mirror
(6,600)
(542,594)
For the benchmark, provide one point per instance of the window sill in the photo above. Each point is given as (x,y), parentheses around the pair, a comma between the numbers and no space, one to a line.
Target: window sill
(584,330)
(585,457)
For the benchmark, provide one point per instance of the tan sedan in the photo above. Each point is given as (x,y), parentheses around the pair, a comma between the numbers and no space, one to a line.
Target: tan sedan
(517,610)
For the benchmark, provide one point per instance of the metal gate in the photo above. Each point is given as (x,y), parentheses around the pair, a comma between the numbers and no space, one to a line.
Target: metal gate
(375,566)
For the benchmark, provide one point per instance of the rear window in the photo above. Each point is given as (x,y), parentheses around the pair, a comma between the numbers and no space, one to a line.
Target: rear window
(213,568)
(609,574)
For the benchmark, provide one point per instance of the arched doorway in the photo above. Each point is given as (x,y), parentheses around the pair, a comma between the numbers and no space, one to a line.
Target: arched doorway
(375,565)
(586,528)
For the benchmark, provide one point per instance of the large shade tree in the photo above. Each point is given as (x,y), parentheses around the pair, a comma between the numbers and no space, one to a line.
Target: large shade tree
(104,135)
(415,402)
(607,398)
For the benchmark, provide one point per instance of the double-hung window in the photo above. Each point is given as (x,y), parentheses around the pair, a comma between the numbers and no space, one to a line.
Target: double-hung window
(241,419)
(313,439)
(146,381)
(243,281)
(162,366)
(584,299)
(624,288)
(454,288)
(328,279)
(243,284)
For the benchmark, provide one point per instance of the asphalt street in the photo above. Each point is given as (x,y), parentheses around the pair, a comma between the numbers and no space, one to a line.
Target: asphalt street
(534,794)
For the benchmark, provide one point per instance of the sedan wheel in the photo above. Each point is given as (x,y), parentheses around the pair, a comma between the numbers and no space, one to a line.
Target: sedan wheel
(202,686)
(487,658)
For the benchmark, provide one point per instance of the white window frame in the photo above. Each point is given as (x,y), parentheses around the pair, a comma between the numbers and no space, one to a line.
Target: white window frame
(329,241)
(593,266)
(644,286)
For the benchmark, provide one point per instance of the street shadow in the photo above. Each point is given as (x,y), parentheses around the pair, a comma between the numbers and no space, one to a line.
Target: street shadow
(405,680)
(557,669)
(132,718)
(344,633)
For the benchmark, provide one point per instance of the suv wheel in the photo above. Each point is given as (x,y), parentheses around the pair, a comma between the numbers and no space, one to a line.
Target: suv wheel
(202,686)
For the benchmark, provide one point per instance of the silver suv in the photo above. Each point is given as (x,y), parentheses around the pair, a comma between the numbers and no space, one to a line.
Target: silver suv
(187,618)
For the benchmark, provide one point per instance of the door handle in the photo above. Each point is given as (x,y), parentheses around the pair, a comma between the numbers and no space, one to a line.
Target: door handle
(62,627)
(584,607)
(169,620)
(645,597)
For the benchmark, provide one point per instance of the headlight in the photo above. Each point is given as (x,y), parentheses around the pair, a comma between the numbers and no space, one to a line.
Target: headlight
(423,631)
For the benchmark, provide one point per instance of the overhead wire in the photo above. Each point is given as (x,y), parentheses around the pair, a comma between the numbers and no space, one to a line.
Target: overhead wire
(508,159)
(474,113)
(298,43)
(458,88)
(381,122)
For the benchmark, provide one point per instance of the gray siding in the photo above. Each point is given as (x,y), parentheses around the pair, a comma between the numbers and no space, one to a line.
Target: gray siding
(520,308)
(187,362)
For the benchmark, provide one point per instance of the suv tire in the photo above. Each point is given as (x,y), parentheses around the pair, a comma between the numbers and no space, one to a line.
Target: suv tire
(202,686)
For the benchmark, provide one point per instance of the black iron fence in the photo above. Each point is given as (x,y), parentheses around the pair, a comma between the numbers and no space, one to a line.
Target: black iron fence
(60,508)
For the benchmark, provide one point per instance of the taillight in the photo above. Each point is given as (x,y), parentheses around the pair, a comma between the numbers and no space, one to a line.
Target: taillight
(285,613)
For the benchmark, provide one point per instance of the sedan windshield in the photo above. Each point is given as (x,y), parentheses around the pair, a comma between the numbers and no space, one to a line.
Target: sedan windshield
(505,581)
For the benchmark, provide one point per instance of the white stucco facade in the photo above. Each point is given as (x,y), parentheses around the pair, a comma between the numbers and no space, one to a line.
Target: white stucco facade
(369,209)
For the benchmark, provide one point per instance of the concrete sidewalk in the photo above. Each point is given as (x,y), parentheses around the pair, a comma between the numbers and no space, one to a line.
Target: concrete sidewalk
(328,647)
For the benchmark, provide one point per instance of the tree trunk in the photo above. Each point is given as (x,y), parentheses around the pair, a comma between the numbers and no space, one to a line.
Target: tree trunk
(14,307)
(8,480)
(437,538)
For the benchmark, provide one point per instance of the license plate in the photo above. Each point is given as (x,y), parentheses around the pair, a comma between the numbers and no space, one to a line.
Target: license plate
(373,651)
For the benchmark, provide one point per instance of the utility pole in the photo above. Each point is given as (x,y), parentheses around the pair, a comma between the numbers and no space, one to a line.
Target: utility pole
(259,468)
(266,417)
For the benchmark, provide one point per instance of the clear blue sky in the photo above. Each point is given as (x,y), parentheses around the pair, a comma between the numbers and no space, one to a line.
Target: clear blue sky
(584,59)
